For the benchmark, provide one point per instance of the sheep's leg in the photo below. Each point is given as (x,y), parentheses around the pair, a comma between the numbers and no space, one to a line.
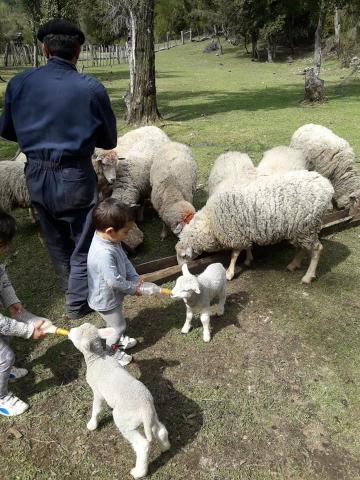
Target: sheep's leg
(164,232)
(296,261)
(141,447)
(140,215)
(205,320)
(249,257)
(189,316)
(161,435)
(32,215)
(315,256)
(231,270)
(96,408)
(221,304)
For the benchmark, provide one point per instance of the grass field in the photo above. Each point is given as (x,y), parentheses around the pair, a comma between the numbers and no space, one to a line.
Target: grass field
(275,395)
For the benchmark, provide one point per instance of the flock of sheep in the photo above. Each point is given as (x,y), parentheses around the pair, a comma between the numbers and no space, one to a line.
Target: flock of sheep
(284,198)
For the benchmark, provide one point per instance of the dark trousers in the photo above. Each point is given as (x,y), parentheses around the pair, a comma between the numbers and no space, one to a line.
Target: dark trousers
(63,193)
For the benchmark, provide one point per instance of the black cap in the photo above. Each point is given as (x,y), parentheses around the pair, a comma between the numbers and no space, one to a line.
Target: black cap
(59,26)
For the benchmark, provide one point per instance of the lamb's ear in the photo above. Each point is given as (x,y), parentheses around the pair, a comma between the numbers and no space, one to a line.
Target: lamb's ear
(197,289)
(106,332)
(185,270)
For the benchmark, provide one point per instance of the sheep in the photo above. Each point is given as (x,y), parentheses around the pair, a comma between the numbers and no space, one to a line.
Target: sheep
(173,182)
(129,139)
(281,159)
(273,208)
(104,163)
(231,171)
(132,185)
(198,293)
(131,401)
(332,157)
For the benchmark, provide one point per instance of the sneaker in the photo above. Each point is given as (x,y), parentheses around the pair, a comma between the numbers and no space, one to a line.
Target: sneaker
(11,405)
(122,357)
(76,314)
(16,373)
(127,342)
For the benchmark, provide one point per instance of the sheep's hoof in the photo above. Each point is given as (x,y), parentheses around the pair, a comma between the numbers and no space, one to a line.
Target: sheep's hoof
(220,311)
(293,266)
(206,337)
(92,425)
(138,473)
(186,329)
(165,446)
(229,274)
(307,279)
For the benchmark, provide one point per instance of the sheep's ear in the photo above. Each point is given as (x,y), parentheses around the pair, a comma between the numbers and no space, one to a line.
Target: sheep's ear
(177,230)
(106,332)
(197,289)
(185,270)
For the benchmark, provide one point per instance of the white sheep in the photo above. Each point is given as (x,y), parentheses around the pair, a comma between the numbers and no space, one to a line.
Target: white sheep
(131,402)
(129,139)
(105,163)
(198,292)
(173,182)
(332,157)
(273,208)
(281,159)
(232,171)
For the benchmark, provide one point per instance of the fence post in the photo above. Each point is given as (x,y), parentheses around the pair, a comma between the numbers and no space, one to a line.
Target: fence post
(167,40)
(182,37)
(190,35)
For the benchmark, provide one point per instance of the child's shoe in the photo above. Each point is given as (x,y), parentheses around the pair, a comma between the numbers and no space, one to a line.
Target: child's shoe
(122,357)
(11,405)
(16,373)
(127,342)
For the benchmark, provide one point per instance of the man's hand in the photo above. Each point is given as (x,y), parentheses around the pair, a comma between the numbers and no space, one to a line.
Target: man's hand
(15,309)
(38,333)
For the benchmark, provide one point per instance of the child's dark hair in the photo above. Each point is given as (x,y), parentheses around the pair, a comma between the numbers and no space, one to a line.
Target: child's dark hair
(112,213)
(7,227)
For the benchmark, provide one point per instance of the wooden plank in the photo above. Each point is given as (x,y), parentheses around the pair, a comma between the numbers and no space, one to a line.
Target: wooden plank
(153,265)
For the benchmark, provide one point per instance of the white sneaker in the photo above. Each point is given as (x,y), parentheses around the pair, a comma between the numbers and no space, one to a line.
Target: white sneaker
(16,373)
(127,342)
(11,405)
(122,357)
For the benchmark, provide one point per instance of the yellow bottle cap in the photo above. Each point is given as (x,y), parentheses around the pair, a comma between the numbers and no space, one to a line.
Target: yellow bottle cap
(62,332)
(165,291)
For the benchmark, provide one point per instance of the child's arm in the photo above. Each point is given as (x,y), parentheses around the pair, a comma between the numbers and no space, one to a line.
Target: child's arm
(11,327)
(114,280)
(131,273)
(8,296)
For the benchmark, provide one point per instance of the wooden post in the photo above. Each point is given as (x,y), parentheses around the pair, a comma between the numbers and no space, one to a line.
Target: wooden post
(182,37)
(190,35)
(167,40)
(35,56)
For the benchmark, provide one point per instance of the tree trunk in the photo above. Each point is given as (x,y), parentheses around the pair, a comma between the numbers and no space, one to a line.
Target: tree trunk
(35,49)
(337,30)
(245,44)
(142,102)
(254,50)
(318,33)
(269,50)
(314,87)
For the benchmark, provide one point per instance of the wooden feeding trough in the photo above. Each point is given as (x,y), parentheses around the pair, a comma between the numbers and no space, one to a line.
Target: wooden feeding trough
(166,269)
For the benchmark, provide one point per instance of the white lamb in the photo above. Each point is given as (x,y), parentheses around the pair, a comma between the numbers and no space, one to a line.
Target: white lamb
(232,171)
(173,182)
(273,208)
(281,159)
(333,158)
(129,139)
(198,292)
(131,402)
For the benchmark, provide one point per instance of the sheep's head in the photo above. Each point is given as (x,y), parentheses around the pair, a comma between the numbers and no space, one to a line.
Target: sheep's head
(186,285)
(86,337)
(184,253)
(183,214)
(108,160)
(354,208)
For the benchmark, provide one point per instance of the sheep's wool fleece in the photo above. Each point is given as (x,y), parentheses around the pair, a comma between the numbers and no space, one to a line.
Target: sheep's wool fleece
(331,156)
(230,171)
(274,208)
(281,159)
(13,189)
(127,141)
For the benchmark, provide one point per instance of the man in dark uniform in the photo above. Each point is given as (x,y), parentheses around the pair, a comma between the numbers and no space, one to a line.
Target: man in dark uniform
(58,116)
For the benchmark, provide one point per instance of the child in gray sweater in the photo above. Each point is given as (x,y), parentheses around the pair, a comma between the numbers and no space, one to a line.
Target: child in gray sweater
(111,275)
(11,405)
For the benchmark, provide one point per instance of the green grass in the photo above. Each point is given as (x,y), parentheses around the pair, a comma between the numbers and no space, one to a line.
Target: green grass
(275,394)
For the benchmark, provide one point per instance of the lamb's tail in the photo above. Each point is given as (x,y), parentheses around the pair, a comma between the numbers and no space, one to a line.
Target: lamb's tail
(148,421)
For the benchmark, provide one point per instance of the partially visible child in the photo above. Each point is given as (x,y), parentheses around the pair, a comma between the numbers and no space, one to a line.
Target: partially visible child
(11,405)
(111,275)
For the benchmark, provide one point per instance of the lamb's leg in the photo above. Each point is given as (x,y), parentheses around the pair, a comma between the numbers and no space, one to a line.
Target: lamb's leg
(205,320)
(161,435)
(187,325)
(141,448)
(249,257)
(221,304)
(96,408)
(296,261)
(164,232)
(231,270)
(315,256)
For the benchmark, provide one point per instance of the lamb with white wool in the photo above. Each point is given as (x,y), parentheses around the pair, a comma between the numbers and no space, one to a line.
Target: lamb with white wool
(173,182)
(332,157)
(198,292)
(273,208)
(129,139)
(131,402)
(281,159)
